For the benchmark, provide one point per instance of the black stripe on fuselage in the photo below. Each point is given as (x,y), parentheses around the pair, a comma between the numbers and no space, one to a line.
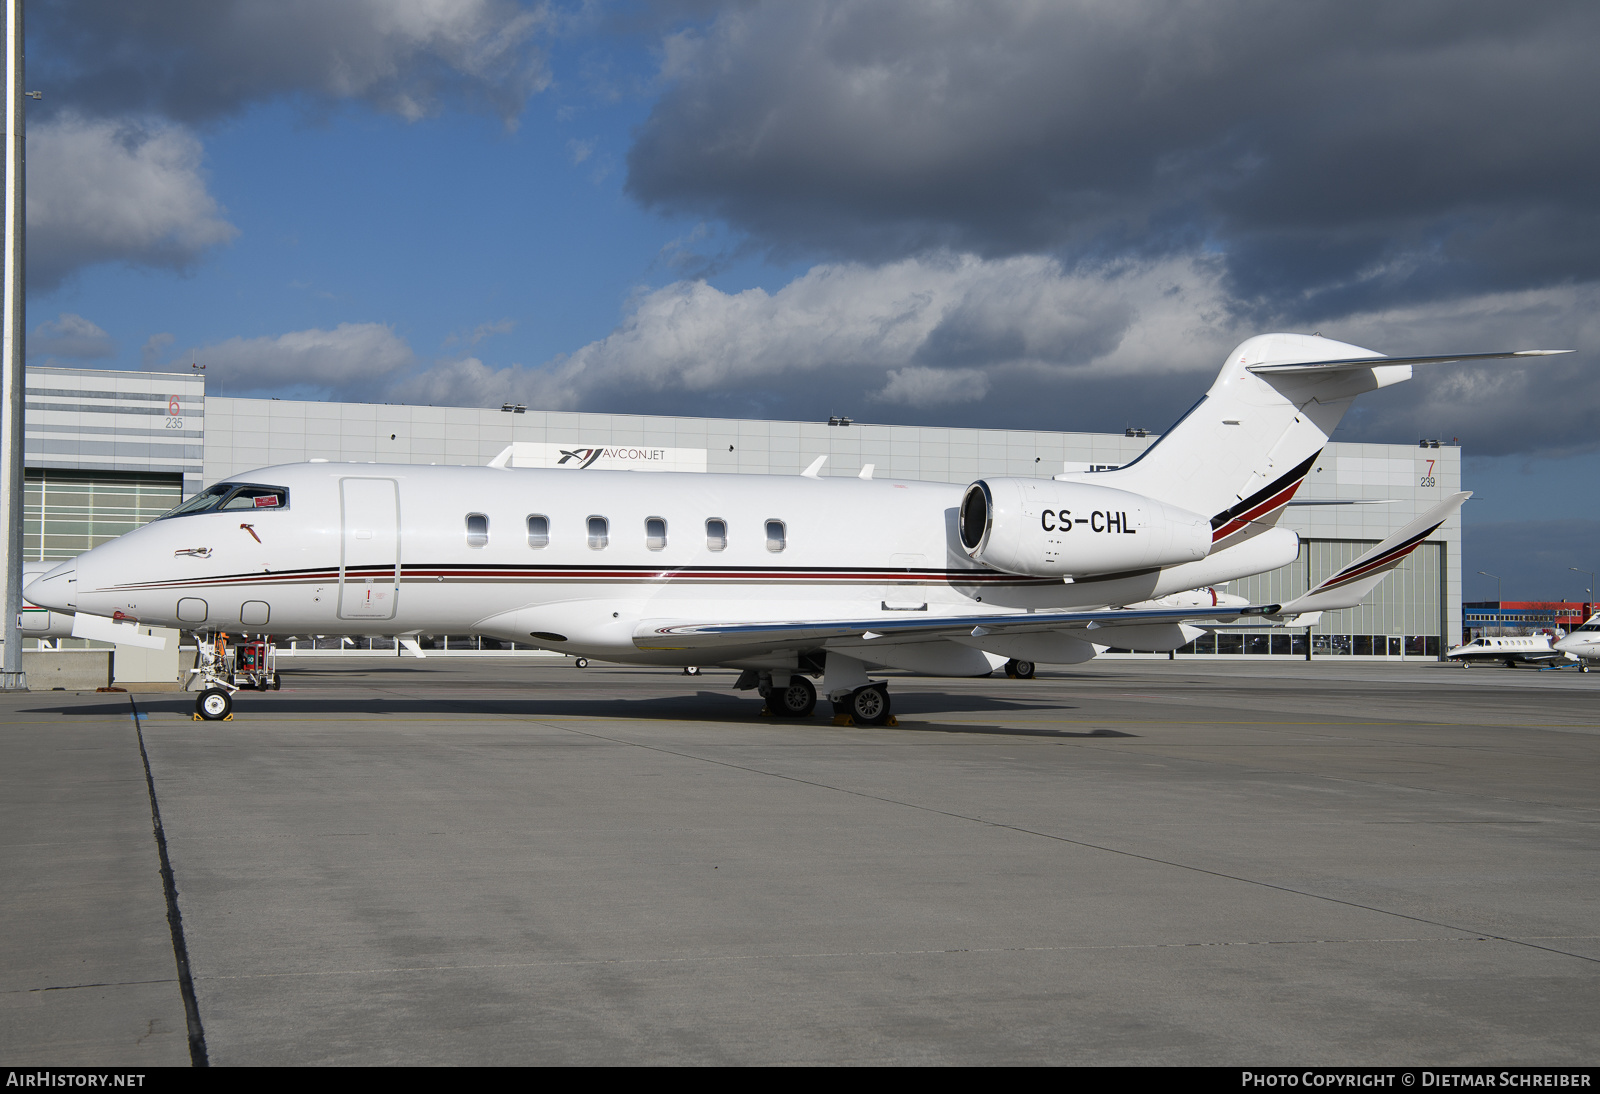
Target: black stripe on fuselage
(570,572)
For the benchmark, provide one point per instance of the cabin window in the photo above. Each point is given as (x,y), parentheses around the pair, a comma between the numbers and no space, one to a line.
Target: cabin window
(477,530)
(655,533)
(599,533)
(716,534)
(538,530)
(775,535)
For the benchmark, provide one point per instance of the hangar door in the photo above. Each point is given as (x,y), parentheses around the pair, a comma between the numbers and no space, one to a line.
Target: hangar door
(369,565)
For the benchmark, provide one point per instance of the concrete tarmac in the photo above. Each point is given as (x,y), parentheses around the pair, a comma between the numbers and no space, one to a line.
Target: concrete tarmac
(508,861)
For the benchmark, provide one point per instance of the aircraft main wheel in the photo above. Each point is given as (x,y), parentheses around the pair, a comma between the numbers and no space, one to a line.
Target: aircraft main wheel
(1510,664)
(1019,670)
(869,705)
(214,704)
(691,670)
(582,663)
(797,700)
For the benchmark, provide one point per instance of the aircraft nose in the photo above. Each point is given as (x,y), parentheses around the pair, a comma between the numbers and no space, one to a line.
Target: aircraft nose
(57,589)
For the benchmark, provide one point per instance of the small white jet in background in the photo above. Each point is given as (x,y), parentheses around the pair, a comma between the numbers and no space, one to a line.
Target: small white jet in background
(1511,650)
(786,578)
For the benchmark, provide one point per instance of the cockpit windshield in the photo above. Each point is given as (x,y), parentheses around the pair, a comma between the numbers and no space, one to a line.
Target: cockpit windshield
(232,496)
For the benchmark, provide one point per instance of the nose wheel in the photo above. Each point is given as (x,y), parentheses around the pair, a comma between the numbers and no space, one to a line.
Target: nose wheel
(214,705)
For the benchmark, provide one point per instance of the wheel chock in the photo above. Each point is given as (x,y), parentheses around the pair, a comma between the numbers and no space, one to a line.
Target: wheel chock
(843,720)
(228,717)
(890,721)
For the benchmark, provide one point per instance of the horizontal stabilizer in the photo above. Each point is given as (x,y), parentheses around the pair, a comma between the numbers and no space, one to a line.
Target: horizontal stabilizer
(1348,364)
(1346,587)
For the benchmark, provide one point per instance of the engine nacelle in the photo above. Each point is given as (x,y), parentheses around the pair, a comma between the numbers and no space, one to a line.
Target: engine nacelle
(1045,528)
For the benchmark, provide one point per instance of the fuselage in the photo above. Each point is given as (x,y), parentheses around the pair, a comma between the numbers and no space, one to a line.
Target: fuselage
(1584,641)
(1509,650)
(573,561)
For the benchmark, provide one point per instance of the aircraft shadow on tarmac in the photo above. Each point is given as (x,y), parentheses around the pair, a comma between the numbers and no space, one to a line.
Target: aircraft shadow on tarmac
(706,706)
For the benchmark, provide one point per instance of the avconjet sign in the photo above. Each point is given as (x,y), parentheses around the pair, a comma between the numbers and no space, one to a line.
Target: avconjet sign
(578,456)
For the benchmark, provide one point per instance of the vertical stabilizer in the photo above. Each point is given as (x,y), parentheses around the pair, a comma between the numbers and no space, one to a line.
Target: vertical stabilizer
(1243,450)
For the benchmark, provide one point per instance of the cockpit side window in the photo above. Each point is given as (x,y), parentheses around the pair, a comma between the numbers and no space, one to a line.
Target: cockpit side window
(205,500)
(258,497)
(234,496)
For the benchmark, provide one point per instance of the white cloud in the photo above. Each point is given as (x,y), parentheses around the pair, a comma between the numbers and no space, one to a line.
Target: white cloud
(1025,343)
(70,336)
(154,347)
(915,319)
(104,191)
(921,387)
(355,361)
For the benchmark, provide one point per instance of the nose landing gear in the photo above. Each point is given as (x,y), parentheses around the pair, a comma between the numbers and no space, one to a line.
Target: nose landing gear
(214,705)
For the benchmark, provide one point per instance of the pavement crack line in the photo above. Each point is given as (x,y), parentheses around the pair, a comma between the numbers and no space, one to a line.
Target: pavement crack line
(829,955)
(198,1057)
(1020,829)
(96,984)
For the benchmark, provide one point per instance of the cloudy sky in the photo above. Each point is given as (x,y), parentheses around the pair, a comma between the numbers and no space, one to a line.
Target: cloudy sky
(988,212)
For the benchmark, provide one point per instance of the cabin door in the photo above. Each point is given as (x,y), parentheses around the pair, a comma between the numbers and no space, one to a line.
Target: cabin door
(369,563)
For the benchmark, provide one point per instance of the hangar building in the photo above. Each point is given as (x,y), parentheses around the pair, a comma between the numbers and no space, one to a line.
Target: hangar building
(107,451)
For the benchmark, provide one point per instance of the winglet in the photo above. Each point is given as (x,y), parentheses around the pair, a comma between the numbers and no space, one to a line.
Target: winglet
(499,462)
(814,471)
(1346,587)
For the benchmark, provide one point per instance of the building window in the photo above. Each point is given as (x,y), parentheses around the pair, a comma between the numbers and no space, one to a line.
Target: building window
(655,533)
(775,536)
(538,530)
(599,532)
(716,534)
(477,530)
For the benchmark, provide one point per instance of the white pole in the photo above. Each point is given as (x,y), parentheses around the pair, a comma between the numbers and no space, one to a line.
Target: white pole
(12,677)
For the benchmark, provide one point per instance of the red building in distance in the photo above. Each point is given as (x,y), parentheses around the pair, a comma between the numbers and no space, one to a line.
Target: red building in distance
(1493,619)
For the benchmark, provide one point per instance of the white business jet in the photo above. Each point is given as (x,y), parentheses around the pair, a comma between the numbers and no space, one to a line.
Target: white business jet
(1511,651)
(1583,643)
(36,621)
(783,577)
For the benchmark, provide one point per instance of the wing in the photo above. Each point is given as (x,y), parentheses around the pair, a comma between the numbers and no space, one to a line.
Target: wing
(1346,587)
(666,634)
(1343,589)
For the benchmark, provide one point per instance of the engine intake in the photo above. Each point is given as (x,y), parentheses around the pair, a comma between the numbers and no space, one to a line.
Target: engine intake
(1044,528)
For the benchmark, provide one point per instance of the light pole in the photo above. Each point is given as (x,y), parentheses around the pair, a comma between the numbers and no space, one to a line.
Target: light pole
(1499,620)
(1589,592)
(12,356)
